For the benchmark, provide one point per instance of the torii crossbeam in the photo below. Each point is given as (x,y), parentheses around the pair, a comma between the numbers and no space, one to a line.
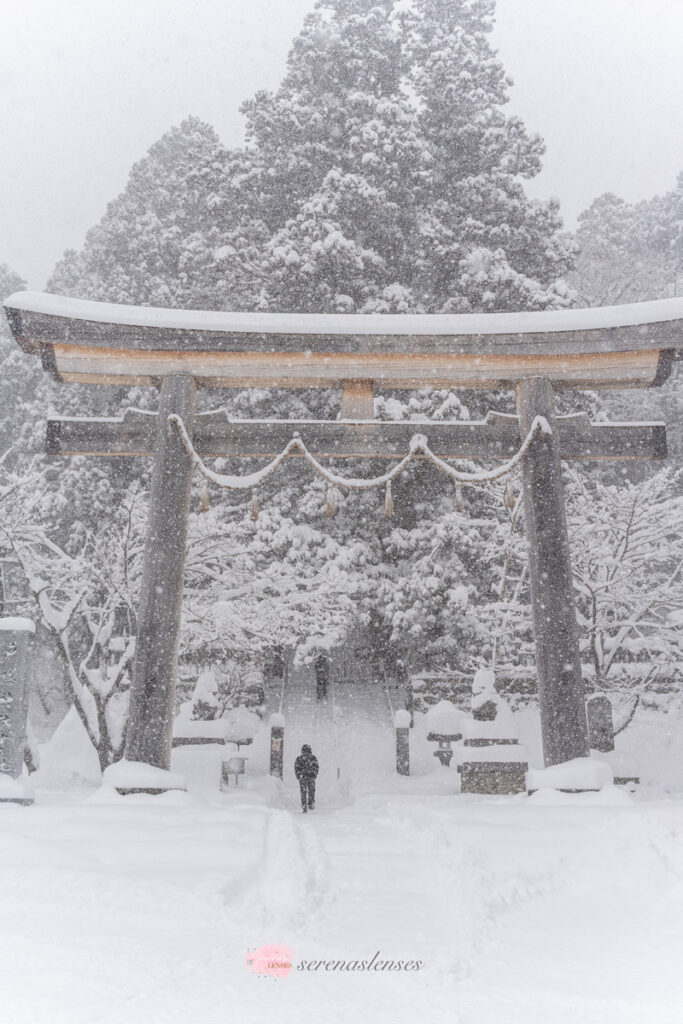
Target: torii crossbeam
(535,354)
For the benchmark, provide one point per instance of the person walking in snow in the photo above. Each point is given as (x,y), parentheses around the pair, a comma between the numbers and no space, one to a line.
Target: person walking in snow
(306,769)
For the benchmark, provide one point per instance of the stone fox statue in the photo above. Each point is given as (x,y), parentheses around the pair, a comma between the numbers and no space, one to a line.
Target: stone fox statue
(306,769)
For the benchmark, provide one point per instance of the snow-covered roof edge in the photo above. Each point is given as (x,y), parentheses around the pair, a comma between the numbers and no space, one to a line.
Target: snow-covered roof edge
(338,324)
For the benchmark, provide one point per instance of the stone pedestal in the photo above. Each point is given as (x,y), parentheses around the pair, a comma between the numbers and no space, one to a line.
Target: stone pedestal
(495,778)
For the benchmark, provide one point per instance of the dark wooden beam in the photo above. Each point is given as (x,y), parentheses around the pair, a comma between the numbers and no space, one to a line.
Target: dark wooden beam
(216,435)
(133,434)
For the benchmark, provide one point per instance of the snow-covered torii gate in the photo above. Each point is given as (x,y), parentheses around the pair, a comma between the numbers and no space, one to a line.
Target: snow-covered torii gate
(177,351)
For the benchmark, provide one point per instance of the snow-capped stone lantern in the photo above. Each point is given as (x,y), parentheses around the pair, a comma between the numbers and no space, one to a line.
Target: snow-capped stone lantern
(493,761)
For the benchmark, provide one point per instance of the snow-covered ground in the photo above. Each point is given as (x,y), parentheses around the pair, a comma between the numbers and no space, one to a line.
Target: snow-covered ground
(142,910)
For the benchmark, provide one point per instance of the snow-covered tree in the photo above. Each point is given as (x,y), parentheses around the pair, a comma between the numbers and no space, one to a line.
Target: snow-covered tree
(20,373)
(156,243)
(484,245)
(630,252)
(339,164)
(627,560)
(276,581)
(85,599)
(382,175)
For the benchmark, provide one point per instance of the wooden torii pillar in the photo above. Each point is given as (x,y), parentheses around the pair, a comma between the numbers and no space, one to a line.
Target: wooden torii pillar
(533,353)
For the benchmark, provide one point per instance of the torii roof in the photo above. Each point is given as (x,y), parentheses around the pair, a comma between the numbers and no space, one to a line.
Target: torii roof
(105,343)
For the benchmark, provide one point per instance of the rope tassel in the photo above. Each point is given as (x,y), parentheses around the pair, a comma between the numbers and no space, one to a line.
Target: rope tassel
(510,496)
(204,497)
(388,501)
(459,505)
(253,507)
(331,501)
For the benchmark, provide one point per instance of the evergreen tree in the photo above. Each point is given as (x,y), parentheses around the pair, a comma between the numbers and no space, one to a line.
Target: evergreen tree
(21,375)
(383,175)
(156,243)
(339,165)
(630,252)
(389,174)
(484,245)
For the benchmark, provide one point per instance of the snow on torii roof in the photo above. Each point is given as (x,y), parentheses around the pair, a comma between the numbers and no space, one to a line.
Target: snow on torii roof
(98,342)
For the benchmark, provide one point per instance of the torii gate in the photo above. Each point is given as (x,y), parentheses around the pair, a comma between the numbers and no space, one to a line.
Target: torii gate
(177,351)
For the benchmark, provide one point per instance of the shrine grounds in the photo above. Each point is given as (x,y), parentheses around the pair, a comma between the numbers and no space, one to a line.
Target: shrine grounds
(552,908)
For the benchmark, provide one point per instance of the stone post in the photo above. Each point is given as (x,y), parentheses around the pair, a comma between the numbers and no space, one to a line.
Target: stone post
(277,744)
(560,686)
(402,724)
(600,723)
(15,648)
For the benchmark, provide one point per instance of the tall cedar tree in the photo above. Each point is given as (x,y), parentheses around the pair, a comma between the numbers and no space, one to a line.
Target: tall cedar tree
(383,175)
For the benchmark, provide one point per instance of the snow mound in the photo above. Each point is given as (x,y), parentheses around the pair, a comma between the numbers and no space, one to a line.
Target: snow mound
(444,718)
(502,728)
(69,754)
(507,753)
(623,765)
(15,789)
(137,775)
(242,724)
(608,796)
(402,719)
(484,682)
(201,728)
(581,773)
(17,624)
(234,726)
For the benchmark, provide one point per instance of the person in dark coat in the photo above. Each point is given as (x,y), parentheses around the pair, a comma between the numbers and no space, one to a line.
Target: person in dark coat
(306,770)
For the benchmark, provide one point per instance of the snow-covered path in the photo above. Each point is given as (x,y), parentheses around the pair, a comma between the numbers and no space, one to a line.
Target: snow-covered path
(349,730)
(142,910)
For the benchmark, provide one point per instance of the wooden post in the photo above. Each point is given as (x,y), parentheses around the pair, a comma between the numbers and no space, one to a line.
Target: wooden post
(558,662)
(150,726)
(358,400)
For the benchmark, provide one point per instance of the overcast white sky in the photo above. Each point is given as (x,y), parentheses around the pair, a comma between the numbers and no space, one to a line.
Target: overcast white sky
(87,86)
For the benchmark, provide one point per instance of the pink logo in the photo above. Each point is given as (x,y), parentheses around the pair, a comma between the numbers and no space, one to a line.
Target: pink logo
(273,960)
